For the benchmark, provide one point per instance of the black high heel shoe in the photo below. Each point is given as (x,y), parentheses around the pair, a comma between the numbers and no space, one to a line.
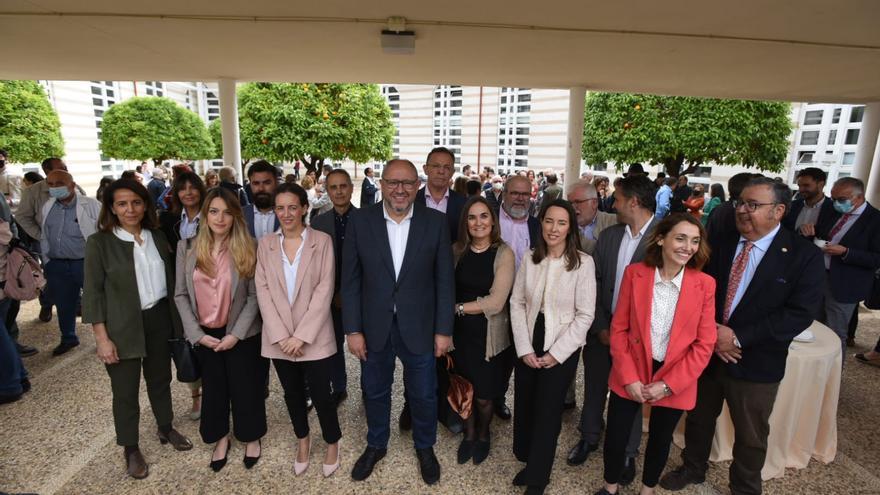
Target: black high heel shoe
(217,465)
(249,461)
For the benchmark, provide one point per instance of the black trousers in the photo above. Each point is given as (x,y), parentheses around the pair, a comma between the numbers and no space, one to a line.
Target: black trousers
(539,396)
(293,376)
(233,379)
(621,414)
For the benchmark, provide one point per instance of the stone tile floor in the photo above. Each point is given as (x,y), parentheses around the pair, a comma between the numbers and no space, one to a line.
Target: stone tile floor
(60,439)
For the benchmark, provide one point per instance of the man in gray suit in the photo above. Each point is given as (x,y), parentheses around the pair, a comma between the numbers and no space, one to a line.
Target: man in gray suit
(617,247)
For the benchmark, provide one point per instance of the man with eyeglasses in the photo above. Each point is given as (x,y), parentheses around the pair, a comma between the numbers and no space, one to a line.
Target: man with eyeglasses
(769,281)
(591,222)
(398,293)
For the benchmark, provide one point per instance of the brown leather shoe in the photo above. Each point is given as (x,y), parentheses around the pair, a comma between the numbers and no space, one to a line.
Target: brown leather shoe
(136,465)
(178,441)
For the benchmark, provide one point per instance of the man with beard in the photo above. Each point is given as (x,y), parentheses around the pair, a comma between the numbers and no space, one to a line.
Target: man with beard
(260,217)
(812,206)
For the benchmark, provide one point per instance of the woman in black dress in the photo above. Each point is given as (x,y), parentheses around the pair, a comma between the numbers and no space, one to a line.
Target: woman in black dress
(484,275)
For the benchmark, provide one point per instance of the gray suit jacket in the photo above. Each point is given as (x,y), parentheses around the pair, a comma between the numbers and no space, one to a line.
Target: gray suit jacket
(603,221)
(244,313)
(605,257)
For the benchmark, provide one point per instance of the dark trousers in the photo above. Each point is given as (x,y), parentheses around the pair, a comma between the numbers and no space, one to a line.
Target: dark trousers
(293,376)
(233,379)
(12,371)
(508,360)
(621,413)
(338,377)
(539,396)
(853,324)
(65,281)
(877,346)
(750,405)
(420,381)
(125,378)
(597,368)
(11,317)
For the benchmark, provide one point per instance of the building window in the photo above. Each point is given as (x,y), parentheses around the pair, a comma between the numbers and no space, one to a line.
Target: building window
(836,116)
(856,114)
(852,136)
(515,104)
(212,104)
(103,97)
(832,137)
(154,88)
(392,97)
(445,98)
(805,157)
(849,158)
(809,138)
(813,117)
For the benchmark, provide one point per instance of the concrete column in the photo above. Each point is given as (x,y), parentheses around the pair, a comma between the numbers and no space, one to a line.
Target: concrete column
(872,184)
(575,139)
(229,127)
(867,141)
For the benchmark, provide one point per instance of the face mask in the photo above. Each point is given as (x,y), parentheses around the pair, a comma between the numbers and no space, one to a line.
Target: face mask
(59,192)
(843,206)
(497,186)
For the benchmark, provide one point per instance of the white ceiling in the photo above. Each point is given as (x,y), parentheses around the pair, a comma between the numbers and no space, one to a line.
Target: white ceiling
(804,50)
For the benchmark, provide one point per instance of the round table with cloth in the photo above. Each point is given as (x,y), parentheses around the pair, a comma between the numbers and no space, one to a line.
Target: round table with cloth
(804,420)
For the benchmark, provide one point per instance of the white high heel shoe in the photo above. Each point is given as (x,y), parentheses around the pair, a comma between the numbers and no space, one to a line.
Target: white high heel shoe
(301,467)
(329,469)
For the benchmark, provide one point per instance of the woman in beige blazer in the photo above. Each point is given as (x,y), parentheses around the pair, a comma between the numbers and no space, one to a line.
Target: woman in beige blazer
(551,308)
(484,271)
(217,300)
(295,282)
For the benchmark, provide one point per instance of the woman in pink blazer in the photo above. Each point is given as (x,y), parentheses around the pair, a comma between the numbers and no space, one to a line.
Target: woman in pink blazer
(294,278)
(662,336)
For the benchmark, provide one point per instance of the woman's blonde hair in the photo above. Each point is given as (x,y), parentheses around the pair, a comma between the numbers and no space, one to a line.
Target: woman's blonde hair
(307,183)
(239,243)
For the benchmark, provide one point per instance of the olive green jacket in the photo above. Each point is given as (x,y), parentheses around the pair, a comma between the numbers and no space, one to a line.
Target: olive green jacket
(110,292)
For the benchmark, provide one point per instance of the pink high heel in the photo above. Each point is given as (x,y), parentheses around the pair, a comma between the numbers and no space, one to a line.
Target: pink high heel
(329,469)
(301,467)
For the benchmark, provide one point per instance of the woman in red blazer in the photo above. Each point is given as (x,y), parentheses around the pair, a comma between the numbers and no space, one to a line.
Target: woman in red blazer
(662,336)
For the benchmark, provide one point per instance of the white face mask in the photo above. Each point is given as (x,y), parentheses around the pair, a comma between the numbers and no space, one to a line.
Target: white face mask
(497,186)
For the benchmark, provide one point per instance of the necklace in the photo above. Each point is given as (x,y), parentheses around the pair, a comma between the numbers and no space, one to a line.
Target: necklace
(479,250)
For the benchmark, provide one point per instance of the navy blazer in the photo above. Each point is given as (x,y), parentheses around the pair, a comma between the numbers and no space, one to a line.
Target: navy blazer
(454,205)
(781,301)
(534,231)
(368,193)
(249,220)
(424,292)
(852,276)
(826,212)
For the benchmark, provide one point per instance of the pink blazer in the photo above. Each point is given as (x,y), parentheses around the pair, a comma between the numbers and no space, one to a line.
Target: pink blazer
(691,339)
(308,318)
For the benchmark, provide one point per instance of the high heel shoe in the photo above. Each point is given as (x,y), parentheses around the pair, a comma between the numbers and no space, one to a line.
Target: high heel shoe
(217,465)
(329,469)
(249,461)
(301,467)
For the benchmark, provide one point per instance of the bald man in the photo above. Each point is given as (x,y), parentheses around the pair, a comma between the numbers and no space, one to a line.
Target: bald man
(67,220)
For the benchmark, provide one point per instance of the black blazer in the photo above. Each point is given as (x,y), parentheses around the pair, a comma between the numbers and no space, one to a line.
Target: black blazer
(424,293)
(781,301)
(249,220)
(169,224)
(826,213)
(326,223)
(852,276)
(534,231)
(368,193)
(454,205)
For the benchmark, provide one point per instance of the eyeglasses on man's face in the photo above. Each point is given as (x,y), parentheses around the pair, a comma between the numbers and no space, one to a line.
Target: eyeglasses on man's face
(750,206)
(392,184)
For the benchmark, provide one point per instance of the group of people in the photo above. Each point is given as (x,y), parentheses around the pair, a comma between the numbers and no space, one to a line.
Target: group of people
(664,310)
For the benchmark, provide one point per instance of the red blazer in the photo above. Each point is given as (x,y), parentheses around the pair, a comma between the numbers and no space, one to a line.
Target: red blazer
(691,340)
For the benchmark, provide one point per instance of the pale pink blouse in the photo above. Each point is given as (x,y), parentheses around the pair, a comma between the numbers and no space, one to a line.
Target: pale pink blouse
(214,294)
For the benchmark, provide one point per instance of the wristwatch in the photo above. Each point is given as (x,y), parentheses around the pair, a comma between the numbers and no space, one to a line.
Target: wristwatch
(460,309)
(666,389)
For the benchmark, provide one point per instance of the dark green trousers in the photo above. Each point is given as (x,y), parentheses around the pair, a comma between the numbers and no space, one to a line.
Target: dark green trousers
(125,378)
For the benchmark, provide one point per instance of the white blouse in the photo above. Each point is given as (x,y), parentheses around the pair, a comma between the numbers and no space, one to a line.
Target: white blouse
(663,311)
(291,267)
(149,269)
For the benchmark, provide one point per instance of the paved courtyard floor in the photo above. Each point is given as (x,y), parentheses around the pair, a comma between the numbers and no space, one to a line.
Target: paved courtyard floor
(59,439)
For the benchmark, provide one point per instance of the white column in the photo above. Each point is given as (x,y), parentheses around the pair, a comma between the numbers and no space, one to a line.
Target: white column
(867,141)
(872,184)
(229,125)
(575,139)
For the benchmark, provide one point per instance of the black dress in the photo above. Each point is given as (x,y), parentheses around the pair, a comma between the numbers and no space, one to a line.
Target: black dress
(473,278)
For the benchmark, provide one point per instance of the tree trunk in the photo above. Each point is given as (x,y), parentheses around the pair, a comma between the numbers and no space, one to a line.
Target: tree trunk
(313,164)
(673,165)
(244,165)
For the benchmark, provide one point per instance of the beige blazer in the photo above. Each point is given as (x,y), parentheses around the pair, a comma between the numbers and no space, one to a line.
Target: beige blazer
(573,309)
(603,221)
(495,305)
(308,318)
(244,314)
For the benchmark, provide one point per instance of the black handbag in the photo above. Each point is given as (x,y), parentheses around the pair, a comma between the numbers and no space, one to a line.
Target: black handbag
(184,357)
(873,300)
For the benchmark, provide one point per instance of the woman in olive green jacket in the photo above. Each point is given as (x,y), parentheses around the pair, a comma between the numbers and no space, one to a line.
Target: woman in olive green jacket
(129,281)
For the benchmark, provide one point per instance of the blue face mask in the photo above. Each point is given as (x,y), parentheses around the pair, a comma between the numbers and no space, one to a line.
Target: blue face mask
(59,192)
(843,206)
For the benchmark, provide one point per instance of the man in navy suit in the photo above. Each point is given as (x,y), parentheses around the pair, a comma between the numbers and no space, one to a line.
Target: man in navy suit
(368,188)
(812,206)
(852,252)
(439,167)
(398,292)
(260,216)
(768,283)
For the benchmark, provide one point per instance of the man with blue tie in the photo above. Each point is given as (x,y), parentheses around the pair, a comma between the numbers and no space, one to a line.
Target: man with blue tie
(398,292)
(260,216)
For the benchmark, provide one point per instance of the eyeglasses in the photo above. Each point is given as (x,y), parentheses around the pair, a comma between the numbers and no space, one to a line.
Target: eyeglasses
(519,194)
(409,185)
(581,201)
(750,206)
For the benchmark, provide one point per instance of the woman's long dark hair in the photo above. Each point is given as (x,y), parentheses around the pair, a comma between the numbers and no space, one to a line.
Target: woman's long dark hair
(179,183)
(572,239)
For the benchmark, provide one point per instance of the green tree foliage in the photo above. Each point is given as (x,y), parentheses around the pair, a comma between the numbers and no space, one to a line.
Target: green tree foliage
(683,133)
(215,130)
(314,122)
(151,127)
(29,127)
